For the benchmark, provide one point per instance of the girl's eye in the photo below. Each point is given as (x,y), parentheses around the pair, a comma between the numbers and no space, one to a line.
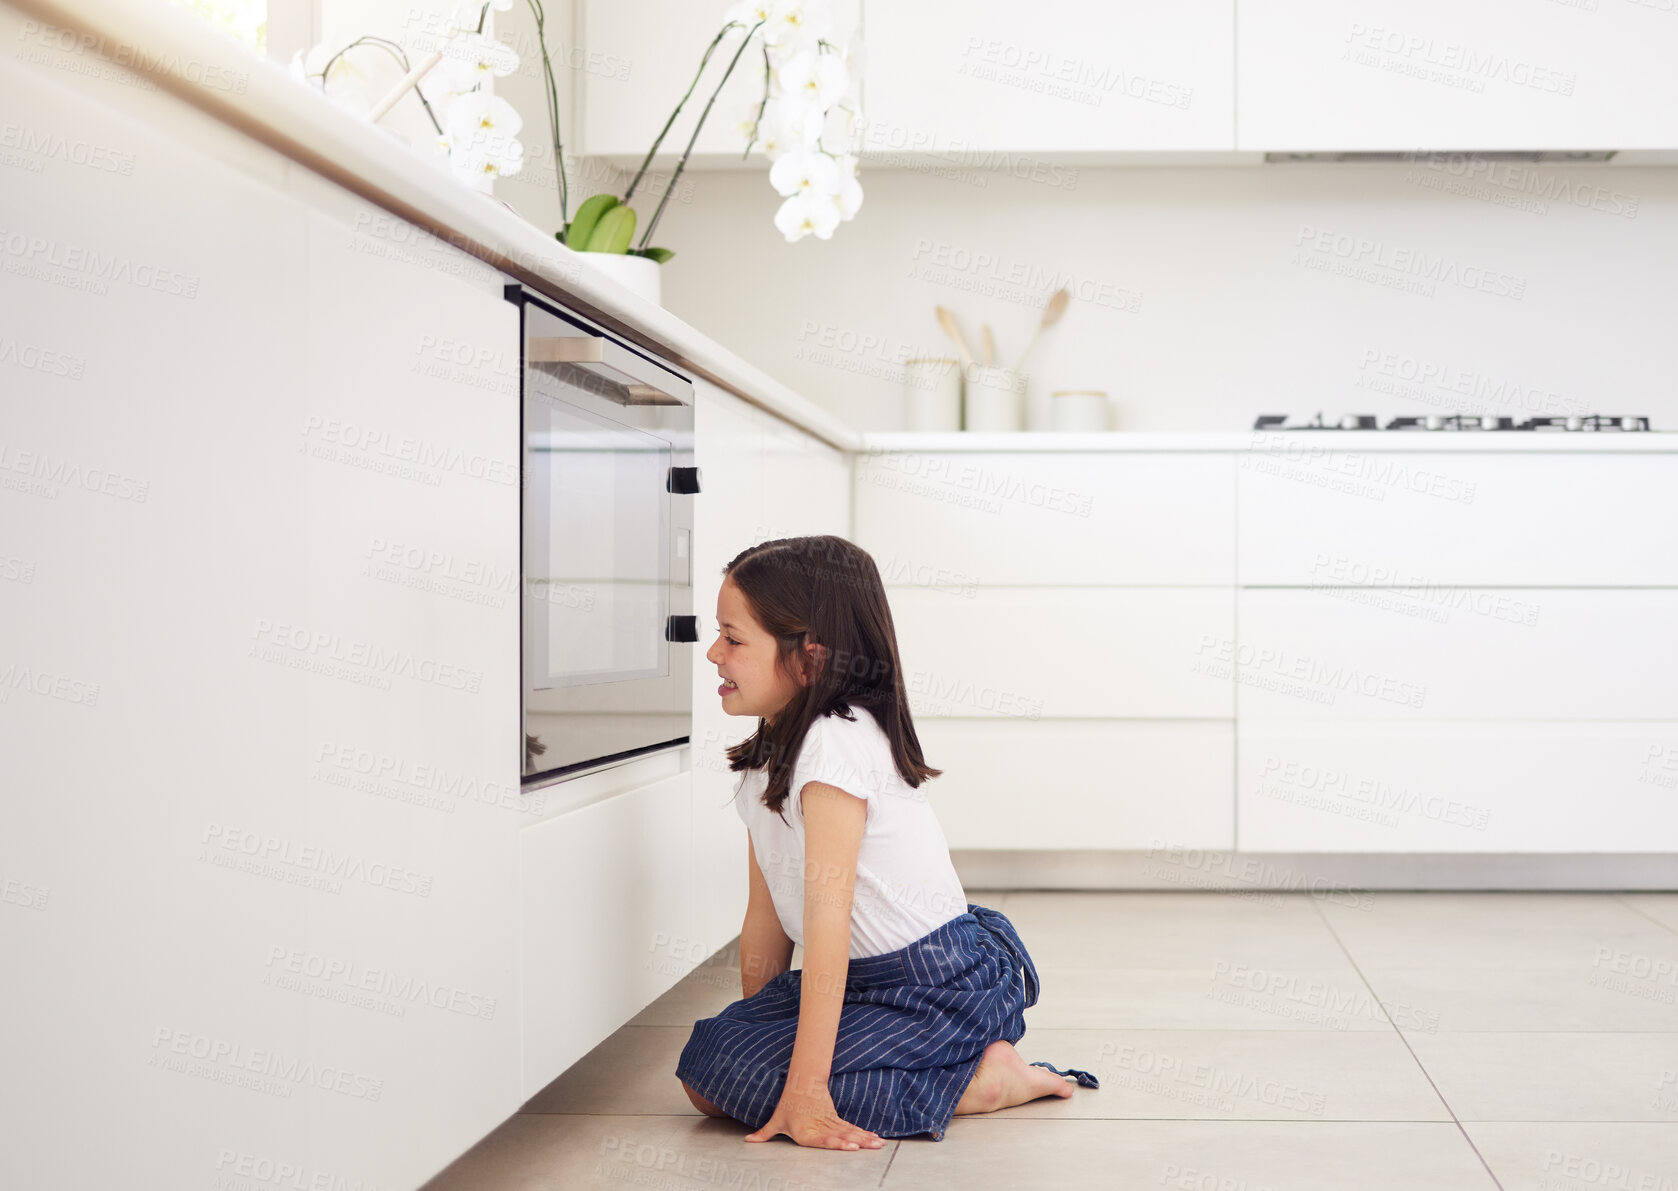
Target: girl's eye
(730,640)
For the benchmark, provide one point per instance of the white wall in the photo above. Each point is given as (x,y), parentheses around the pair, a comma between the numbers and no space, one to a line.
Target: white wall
(1199,308)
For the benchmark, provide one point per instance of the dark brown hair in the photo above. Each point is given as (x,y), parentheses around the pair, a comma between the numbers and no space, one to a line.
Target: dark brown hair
(824,590)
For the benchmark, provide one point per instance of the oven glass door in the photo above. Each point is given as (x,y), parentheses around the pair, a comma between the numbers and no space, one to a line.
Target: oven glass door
(597,561)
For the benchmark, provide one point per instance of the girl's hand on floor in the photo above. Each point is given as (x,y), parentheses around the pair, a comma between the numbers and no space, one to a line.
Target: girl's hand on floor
(815,1121)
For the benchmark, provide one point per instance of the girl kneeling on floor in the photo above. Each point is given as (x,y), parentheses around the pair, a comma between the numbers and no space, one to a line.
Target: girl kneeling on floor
(910,999)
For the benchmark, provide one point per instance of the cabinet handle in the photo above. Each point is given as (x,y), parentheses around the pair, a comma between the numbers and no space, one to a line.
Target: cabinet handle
(682,628)
(683,480)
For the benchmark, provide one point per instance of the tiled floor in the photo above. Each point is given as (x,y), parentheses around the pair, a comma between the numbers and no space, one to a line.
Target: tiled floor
(1243,1042)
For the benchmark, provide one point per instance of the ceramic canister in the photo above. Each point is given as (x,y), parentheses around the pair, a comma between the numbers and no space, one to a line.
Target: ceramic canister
(932,394)
(995,400)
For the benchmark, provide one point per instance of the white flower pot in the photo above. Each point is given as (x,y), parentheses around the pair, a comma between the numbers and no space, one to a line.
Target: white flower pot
(638,274)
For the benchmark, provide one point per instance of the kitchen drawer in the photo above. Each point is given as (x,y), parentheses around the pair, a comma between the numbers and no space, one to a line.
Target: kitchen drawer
(606,920)
(1473,786)
(1101,517)
(1310,515)
(1081,783)
(1079,652)
(1456,653)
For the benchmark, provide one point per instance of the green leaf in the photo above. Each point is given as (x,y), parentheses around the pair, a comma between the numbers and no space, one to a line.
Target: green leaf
(578,231)
(614,231)
(657,254)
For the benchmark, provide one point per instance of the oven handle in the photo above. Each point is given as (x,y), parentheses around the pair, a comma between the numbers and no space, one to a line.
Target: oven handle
(644,382)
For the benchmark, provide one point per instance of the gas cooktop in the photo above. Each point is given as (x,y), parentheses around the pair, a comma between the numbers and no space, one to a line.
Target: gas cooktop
(1453,422)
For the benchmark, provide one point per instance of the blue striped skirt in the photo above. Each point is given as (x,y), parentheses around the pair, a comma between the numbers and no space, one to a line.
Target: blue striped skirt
(913,1027)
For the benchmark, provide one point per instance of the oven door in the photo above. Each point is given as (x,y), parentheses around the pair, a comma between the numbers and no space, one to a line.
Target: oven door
(607,592)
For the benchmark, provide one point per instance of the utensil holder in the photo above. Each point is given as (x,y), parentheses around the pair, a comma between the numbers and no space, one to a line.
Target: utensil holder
(995,402)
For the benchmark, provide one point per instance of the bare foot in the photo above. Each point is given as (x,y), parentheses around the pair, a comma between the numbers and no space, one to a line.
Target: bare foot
(1004,1079)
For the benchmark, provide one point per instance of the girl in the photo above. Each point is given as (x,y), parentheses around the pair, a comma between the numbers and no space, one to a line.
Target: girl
(910,997)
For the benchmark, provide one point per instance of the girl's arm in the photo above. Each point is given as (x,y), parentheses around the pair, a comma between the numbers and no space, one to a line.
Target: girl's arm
(834,822)
(765,950)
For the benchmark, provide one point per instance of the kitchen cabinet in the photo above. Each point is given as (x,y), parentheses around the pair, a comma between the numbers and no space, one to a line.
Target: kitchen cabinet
(1466,785)
(1430,74)
(1059,652)
(1060,618)
(1335,517)
(291,821)
(958,520)
(1125,785)
(607,923)
(1061,77)
(638,61)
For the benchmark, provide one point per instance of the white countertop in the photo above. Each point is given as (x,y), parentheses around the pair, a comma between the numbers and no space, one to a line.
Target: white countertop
(270,106)
(1287,443)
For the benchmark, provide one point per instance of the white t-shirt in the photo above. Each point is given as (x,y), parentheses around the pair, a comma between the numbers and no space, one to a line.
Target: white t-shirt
(905,885)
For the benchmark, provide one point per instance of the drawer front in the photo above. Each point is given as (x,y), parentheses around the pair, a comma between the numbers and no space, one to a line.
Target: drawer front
(1312,516)
(992,518)
(1457,653)
(1081,652)
(1081,783)
(607,920)
(1459,787)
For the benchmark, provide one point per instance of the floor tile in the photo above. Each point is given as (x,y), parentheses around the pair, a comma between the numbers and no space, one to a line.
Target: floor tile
(703,992)
(1430,1000)
(1233,1075)
(1217,997)
(577,1152)
(1553,1077)
(1174,930)
(1561,1156)
(1196,1155)
(631,1073)
(1531,931)
(1662,907)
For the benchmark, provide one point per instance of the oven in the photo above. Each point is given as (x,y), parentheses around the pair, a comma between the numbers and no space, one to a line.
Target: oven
(606,587)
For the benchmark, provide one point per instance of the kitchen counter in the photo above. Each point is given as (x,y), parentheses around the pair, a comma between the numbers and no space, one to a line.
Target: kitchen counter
(184,56)
(1289,444)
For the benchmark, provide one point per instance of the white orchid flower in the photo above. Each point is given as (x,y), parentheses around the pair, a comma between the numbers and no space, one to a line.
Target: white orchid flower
(471,58)
(797,24)
(804,171)
(805,213)
(490,159)
(476,113)
(749,12)
(786,128)
(813,80)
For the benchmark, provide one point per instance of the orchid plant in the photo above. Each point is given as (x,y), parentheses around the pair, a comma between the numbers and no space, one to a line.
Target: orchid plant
(806,79)
(478,131)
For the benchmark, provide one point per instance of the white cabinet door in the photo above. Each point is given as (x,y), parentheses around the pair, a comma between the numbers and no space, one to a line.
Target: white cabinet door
(957,520)
(1434,74)
(1457,654)
(607,920)
(1328,517)
(728,449)
(640,57)
(1081,783)
(1056,77)
(1472,786)
(1034,653)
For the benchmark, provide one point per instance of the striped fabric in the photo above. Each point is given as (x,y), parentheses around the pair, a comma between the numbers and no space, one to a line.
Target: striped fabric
(914,1025)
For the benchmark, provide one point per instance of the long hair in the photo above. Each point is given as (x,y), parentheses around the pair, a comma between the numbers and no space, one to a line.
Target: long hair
(828,591)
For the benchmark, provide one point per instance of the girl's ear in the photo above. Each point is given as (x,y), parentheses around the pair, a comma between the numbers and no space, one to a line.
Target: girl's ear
(815,658)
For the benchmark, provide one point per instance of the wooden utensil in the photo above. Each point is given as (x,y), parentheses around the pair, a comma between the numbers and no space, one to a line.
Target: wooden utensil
(989,341)
(1056,307)
(948,322)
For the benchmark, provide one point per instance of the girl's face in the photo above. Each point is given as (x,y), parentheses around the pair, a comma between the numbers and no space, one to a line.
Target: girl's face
(744,655)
